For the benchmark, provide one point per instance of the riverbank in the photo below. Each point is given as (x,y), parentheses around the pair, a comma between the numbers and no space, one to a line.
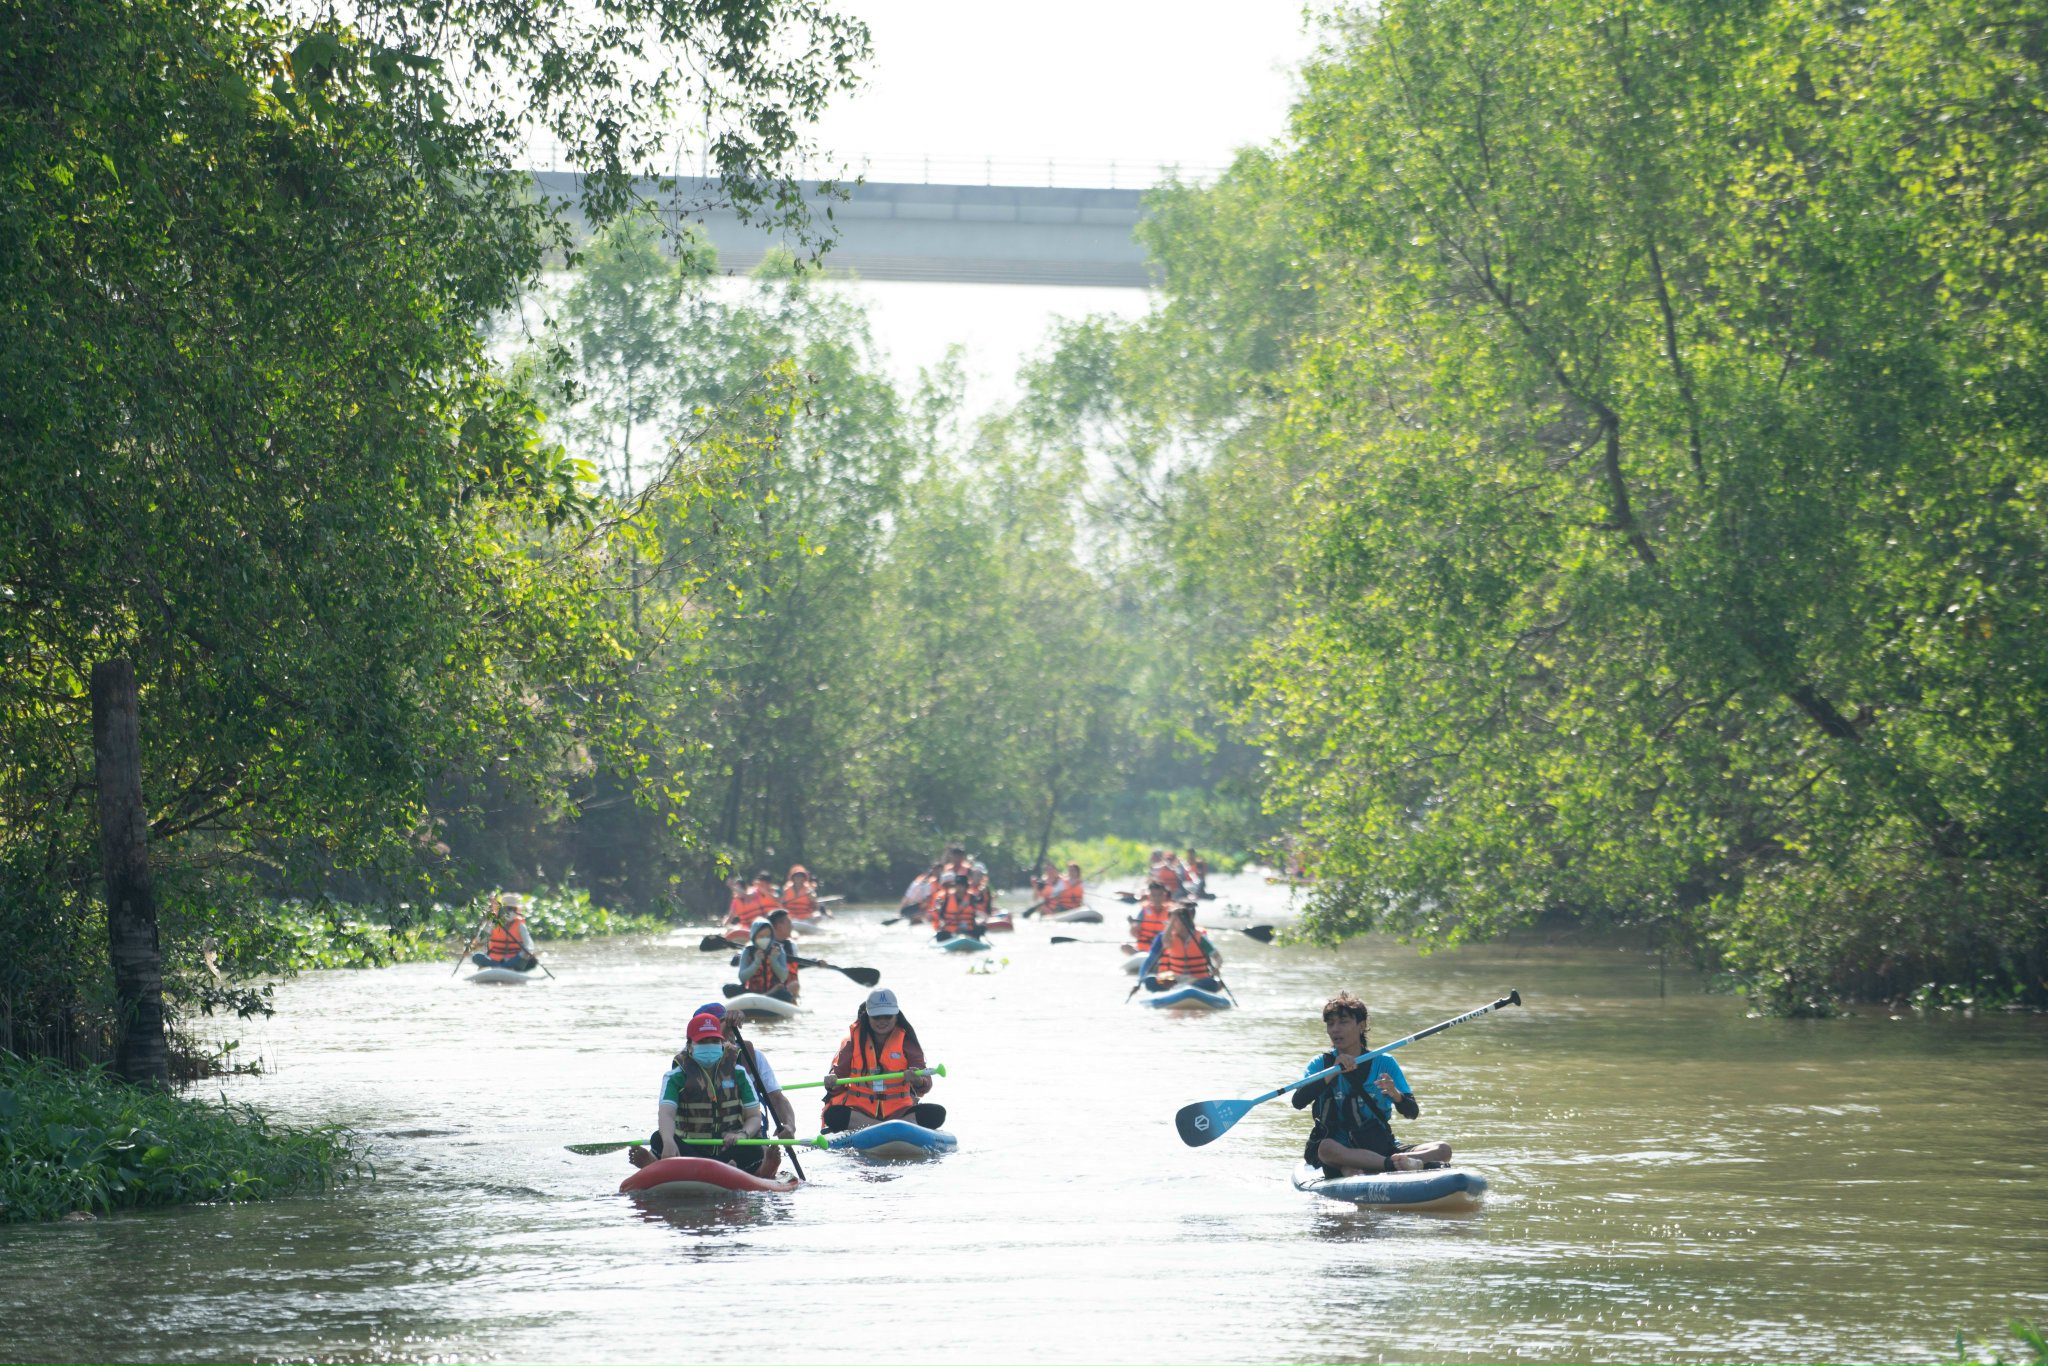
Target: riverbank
(342,936)
(82,1143)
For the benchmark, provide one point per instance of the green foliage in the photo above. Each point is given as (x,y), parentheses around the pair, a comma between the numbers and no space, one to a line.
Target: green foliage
(1634,497)
(83,1141)
(333,935)
(1115,856)
(2030,1337)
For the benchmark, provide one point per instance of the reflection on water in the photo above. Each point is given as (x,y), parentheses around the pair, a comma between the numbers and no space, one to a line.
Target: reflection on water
(1670,1180)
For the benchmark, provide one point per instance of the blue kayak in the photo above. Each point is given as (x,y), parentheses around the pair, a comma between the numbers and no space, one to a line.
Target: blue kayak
(1446,1188)
(1186,998)
(894,1138)
(963,943)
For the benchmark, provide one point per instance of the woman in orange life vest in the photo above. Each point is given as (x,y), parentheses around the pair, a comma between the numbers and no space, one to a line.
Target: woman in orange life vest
(1181,952)
(1152,915)
(881,1040)
(800,894)
(1071,893)
(785,939)
(952,910)
(509,946)
(755,902)
(764,964)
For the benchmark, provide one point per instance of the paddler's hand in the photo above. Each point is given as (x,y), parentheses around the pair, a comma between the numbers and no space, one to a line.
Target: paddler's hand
(1387,1087)
(1349,1062)
(732,1139)
(784,1131)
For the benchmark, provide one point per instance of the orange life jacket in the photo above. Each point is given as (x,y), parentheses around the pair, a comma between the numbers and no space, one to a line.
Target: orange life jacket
(750,906)
(1069,896)
(952,909)
(762,979)
(801,905)
(1183,958)
(1169,875)
(882,1099)
(505,942)
(1151,923)
(789,956)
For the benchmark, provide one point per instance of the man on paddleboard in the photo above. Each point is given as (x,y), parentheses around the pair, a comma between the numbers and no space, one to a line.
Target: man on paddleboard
(755,1065)
(1352,1108)
(509,945)
(704,1095)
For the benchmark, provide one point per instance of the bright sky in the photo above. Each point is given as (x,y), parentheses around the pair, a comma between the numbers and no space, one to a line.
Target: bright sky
(1138,82)
(1075,80)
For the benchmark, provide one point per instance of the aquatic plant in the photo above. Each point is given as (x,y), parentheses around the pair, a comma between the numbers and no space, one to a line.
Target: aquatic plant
(75,1141)
(2030,1336)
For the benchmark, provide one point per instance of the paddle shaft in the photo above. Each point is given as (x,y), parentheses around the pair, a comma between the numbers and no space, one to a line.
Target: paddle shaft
(938,1071)
(1513,998)
(463,957)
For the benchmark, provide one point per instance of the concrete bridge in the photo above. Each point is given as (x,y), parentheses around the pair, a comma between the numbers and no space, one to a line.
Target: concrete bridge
(976,234)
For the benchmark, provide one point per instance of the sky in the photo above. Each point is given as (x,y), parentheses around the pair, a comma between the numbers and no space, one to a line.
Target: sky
(1138,82)
(1082,84)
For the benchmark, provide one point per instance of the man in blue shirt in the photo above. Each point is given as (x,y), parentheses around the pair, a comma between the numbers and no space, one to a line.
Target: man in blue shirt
(1352,1108)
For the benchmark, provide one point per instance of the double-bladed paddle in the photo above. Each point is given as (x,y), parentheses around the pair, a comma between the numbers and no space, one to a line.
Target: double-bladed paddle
(1262,933)
(1205,1121)
(594,1149)
(867,977)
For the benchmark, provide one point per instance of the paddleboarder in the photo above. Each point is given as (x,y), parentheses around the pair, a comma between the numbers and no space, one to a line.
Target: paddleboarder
(510,946)
(763,965)
(881,1040)
(1181,952)
(704,1094)
(1353,1107)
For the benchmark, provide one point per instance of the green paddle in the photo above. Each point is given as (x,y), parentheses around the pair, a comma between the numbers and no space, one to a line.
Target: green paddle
(938,1071)
(593,1149)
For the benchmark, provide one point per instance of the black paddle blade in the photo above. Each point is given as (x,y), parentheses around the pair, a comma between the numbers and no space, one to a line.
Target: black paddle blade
(1262,933)
(732,989)
(712,943)
(1514,998)
(867,977)
(1207,1120)
(1128,898)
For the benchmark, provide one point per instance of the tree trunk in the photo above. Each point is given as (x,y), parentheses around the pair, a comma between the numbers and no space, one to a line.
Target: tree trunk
(140,1055)
(1052,807)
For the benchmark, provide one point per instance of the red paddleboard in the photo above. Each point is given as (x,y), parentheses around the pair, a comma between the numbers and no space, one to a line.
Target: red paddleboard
(699,1176)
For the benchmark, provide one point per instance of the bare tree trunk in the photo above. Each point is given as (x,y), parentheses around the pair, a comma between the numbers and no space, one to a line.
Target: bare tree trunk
(140,1055)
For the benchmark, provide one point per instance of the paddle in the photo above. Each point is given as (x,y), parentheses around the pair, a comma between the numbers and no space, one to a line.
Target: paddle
(1263,933)
(938,1071)
(867,977)
(594,1149)
(463,957)
(1205,1121)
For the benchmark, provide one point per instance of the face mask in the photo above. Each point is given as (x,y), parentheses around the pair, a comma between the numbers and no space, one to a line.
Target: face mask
(707,1054)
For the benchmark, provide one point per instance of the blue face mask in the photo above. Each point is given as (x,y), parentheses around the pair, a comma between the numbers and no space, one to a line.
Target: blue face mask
(707,1054)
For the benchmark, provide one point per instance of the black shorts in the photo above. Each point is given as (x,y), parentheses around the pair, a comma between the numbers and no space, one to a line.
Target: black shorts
(1334,1172)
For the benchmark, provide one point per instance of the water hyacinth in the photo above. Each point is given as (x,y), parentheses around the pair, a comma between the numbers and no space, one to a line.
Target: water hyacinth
(82,1141)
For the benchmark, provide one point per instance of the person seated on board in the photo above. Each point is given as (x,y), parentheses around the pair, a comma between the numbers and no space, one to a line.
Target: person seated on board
(756,901)
(704,1095)
(954,909)
(917,896)
(761,1073)
(1353,1109)
(1198,875)
(785,939)
(881,1040)
(509,946)
(1153,913)
(764,965)
(1181,956)
(800,894)
(1072,895)
(981,899)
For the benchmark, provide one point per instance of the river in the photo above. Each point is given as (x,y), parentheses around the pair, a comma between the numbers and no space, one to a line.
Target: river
(1671,1179)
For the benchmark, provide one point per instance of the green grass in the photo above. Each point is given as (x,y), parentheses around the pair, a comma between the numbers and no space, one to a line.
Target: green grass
(75,1141)
(2030,1338)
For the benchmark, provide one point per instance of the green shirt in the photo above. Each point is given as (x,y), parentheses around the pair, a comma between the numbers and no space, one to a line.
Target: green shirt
(672,1086)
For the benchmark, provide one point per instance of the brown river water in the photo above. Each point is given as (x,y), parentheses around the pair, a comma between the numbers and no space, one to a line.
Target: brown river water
(1671,1180)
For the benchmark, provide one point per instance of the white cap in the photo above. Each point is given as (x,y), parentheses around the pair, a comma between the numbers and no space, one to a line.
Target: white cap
(882,1001)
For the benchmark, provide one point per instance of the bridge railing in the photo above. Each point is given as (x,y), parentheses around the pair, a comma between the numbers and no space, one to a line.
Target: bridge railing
(920,168)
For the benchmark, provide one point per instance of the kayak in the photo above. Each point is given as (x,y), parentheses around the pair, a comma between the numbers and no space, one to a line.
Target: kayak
(488,975)
(963,943)
(699,1177)
(1447,1188)
(758,1007)
(1134,961)
(894,1138)
(998,924)
(1085,915)
(1186,998)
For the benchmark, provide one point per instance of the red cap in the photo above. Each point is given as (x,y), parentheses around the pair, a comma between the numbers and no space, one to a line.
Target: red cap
(705,1027)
